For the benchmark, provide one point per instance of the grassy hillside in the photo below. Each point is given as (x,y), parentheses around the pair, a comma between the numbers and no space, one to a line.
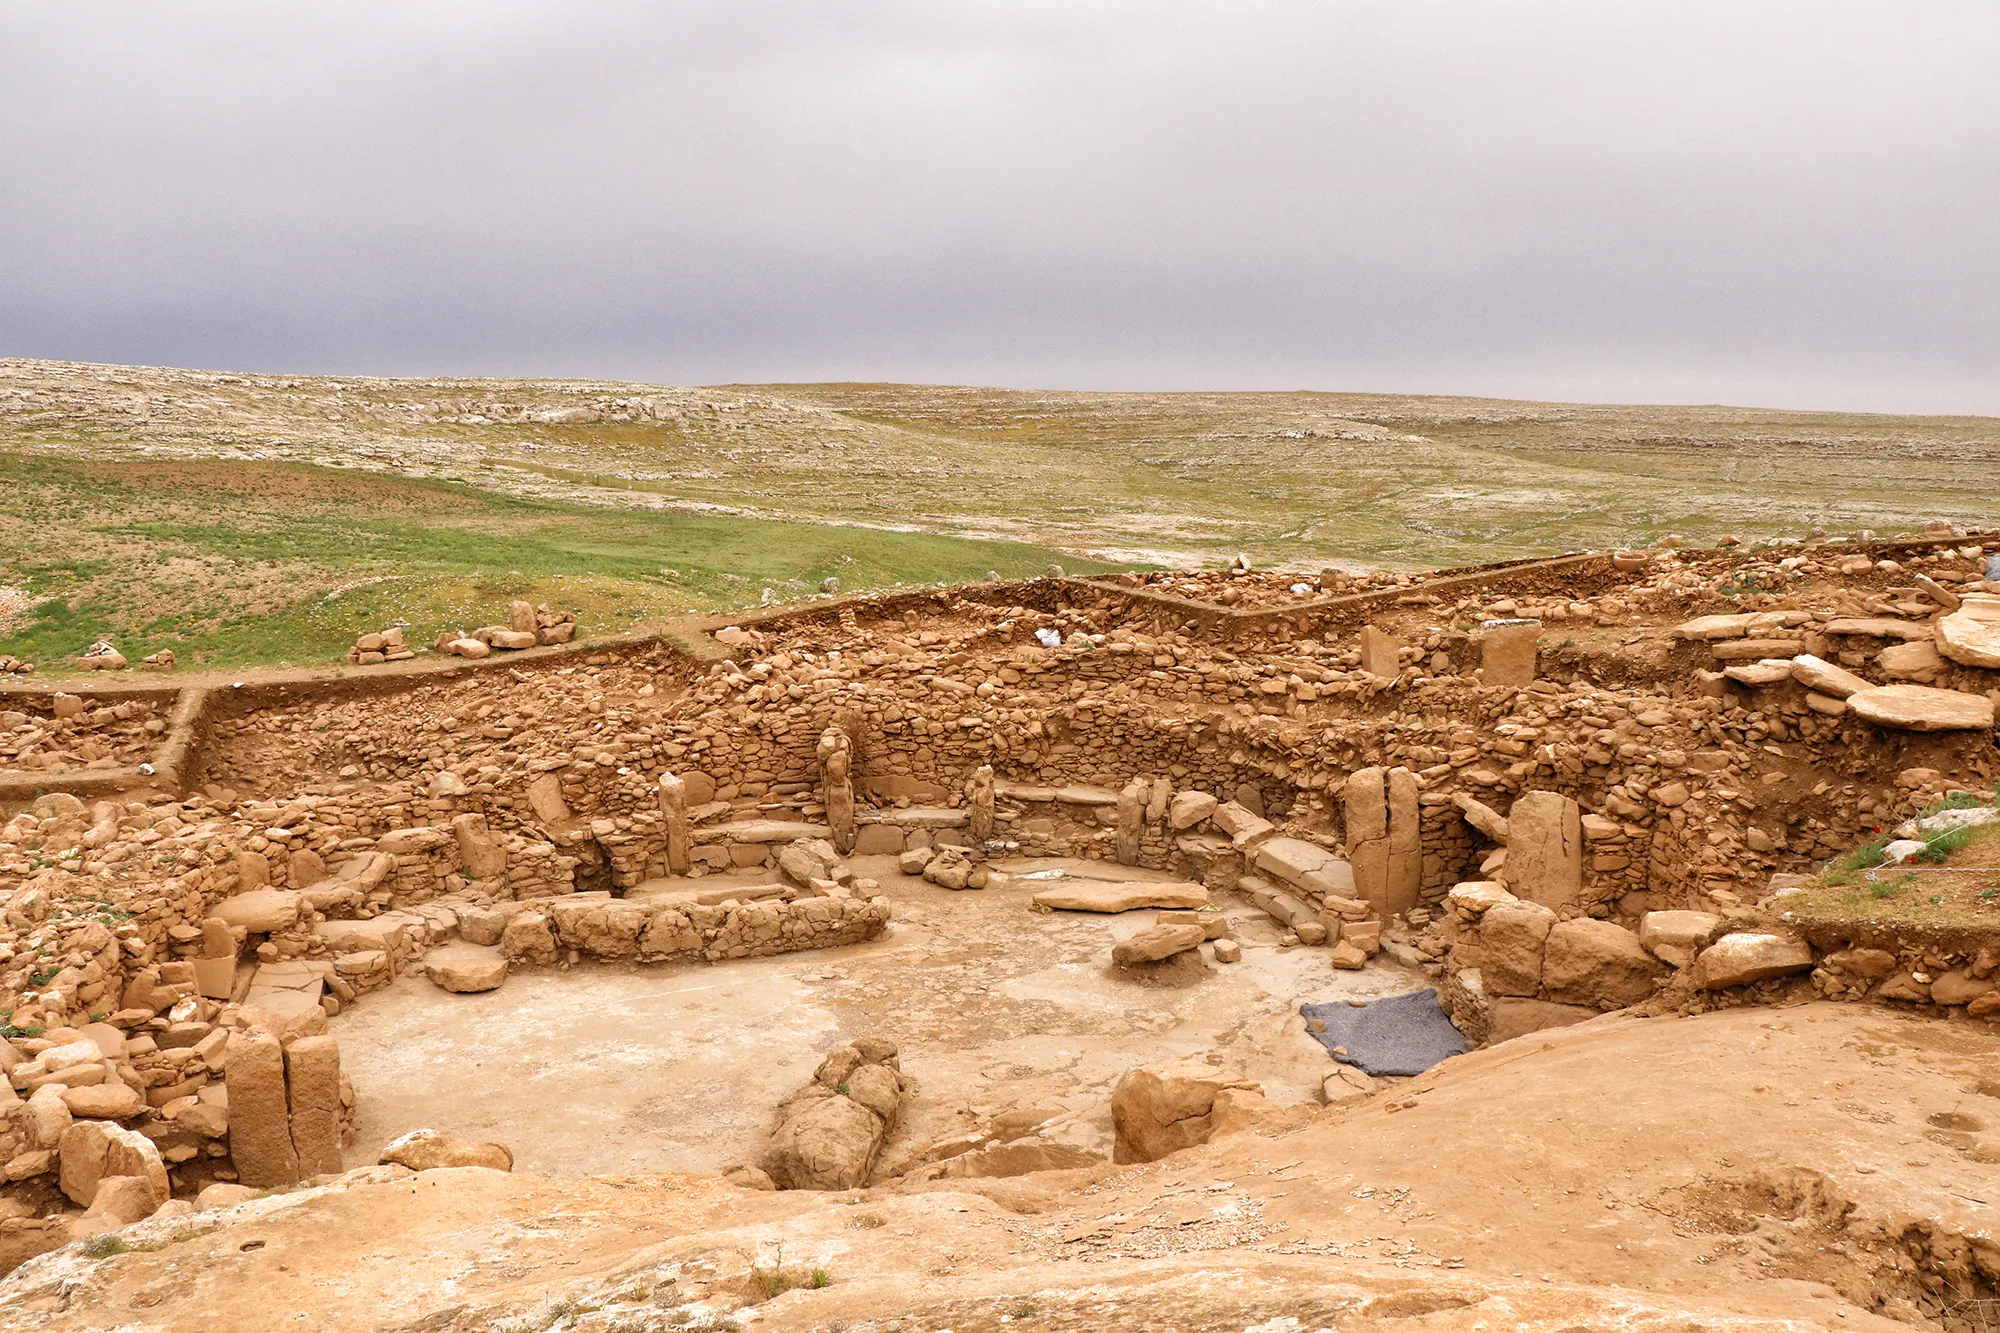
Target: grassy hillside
(234,563)
(1302,479)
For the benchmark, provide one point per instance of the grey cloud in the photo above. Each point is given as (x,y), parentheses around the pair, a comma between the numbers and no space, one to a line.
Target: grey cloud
(1783,203)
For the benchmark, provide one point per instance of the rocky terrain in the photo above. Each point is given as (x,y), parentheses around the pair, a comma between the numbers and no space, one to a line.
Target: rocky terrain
(1302,479)
(1007,953)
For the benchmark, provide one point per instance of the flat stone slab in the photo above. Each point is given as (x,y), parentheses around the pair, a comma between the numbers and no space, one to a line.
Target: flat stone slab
(1970,635)
(674,892)
(1879,627)
(382,932)
(1921,708)
(1715,627)
(1086,796)
(1769,671)
(762,830)
(925,817)
(1017,791)
(466,968)
(1126,897)
(286,988)
(1817,674)
(1753,650)
(259,911)
(1305,865)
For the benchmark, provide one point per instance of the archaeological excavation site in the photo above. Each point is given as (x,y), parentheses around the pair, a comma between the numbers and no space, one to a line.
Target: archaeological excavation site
(1609,941)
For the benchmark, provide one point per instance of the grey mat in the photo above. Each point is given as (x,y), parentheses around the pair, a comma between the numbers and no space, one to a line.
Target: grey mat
(1403,1034)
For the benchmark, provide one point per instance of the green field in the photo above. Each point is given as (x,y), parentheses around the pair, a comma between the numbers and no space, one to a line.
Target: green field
(241,563)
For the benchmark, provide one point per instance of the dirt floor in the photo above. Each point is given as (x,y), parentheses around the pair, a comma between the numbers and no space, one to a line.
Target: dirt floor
(603,1069)
(1819,1167)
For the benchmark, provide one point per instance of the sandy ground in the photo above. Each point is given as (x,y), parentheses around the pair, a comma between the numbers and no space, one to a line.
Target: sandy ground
(603,1068)
(1818,1167)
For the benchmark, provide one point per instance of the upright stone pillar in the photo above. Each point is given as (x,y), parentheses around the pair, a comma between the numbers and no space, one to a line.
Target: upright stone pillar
(1404,877)
(260,1114)
(1384,839)
(1131,819)
(1380,653)
(674,812)
(312,1069)
(1544,849)
(836,761)
(1508,652)
(1367,801)
(484,858)
(980,802)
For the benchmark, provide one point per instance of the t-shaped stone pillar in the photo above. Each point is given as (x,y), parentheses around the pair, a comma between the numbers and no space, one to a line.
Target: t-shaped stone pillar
(836,761)
(1544,849)
(1131,820)
(674,812)
(979,801)
(1384,846)
(1380,653)
(1508,652)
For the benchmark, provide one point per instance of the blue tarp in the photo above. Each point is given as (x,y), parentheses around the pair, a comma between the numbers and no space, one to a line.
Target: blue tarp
(1403,1034)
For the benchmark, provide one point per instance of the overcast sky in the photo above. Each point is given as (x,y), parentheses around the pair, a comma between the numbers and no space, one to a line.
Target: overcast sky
(1789,203)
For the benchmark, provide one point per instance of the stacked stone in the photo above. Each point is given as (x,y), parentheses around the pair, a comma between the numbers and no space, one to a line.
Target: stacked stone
(599,926)
(382,646)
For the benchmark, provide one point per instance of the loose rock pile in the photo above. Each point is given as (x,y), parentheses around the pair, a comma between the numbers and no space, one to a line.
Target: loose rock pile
(527,626)
(383,646)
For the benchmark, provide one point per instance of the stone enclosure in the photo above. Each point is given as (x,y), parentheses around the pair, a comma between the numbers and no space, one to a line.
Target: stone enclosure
(1549,789)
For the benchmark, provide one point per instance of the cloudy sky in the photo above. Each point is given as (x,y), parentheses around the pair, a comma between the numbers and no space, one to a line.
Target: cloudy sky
(1780,202)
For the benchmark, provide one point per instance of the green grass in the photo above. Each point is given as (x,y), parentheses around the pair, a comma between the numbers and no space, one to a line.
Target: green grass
(236,564)
(1300,477)
(1954,891)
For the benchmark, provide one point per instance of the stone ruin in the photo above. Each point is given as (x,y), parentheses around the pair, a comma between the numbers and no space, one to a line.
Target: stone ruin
(1548,789)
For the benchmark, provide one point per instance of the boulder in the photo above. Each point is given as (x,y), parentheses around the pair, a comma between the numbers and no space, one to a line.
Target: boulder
(428,1150)
(528,939)
(223,1194)
(807,860)
(1511,1016)
(260,911)
(1922,708)
(92,1150)
(828,1143)
(114,1100)
(466,968)
(1958,987)
(1512,937)
(1093,896)
(1190,808)
(1910,661)
(951,868)
(1591,962)
(1673,936)
(1163,1108)
(1867,964)
(1347,956)
(1743,957)
(1970,636)
(1474,896)
(120,1202)
(1155,943)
